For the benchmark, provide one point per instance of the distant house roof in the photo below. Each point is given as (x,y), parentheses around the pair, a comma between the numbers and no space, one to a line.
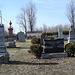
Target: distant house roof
(34,32)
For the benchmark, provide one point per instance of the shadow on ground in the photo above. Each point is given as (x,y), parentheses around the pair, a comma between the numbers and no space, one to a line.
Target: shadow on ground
(24,48)
(20,47)
(30,63)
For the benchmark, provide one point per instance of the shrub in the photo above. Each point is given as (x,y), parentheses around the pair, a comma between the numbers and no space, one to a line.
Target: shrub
(36,49)
(65,32)
(55,33)
(48,34)
(35,40)
(51,33)
(49,37)
(70,49)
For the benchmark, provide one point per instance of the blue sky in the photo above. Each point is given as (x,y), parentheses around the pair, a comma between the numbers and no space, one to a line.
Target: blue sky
(49,12)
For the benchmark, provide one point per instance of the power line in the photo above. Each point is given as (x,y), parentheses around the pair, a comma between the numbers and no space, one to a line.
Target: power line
(5,20)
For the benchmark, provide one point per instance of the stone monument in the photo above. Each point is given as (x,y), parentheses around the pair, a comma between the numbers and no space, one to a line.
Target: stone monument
(72,34)
(21,37)
(60,34)
(4,55)
(53,46)
(10,32)
(54,49)
(10,43)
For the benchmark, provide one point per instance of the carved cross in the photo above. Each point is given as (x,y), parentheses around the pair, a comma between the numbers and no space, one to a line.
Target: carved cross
(10,23)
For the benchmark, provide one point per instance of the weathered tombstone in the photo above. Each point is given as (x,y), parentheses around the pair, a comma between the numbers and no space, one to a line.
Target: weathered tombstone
(54,49)
(72,34)
(4,55)
(60,34)
(10,43)
(21,37)
(54,46)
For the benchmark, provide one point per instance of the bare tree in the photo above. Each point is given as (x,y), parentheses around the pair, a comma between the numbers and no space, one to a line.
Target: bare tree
(71,12)
(46,29)
(66,27)
(21,19)
(31,15)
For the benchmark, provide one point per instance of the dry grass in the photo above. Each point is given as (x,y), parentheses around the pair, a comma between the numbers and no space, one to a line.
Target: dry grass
(65,42)
(23,63)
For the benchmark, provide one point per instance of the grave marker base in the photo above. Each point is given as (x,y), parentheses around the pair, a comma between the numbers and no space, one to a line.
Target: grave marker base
(54,55)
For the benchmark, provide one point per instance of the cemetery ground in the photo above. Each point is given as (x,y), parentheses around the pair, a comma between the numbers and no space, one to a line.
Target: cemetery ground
(23,63)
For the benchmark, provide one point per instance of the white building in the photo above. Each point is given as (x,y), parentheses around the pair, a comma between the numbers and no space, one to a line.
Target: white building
(34,34)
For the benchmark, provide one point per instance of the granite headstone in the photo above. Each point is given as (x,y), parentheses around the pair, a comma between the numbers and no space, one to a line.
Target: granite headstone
(54,46)
(4,55)
(60,34)
(72,34)
(21,37)
(54,49)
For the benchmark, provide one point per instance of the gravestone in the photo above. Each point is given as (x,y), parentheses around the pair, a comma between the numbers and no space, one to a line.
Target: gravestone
(54,46)
(60,34)
(54,49)
(4,55)
(10,43)
(72,34)
(21,37)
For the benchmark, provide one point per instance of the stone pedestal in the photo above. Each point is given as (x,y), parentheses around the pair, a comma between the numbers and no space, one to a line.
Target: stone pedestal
(4,55)
(71,36)
(10,43)
(54,55)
